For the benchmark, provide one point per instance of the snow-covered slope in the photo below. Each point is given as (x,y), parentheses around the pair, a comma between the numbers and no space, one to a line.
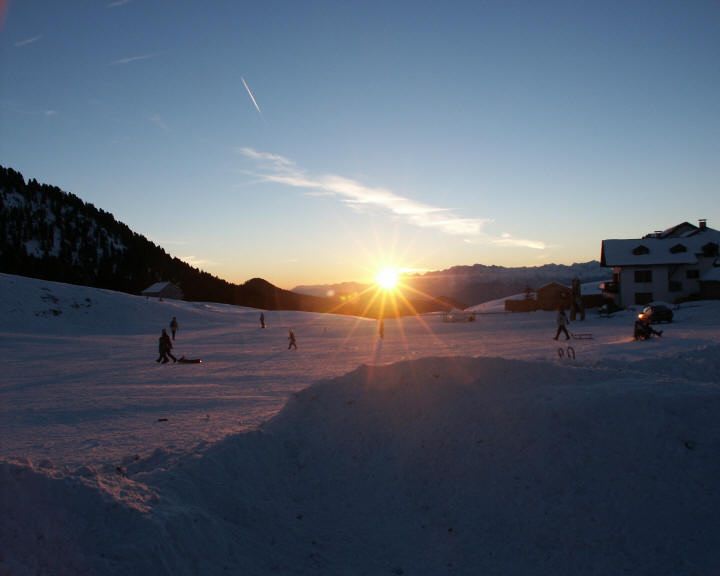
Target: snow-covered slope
(423,460)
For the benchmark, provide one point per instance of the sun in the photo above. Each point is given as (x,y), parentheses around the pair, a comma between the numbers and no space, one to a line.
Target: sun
(387,278)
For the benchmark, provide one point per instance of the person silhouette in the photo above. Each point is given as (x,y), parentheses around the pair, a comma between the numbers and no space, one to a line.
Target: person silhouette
(561,320)
(291,340)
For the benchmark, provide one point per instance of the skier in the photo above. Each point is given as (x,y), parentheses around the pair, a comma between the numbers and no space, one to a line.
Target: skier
(262,320)
(173,326)
(291,339)
(561,321)
(164,347)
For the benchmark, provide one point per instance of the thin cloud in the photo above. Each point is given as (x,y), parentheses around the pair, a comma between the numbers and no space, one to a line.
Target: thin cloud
(279,162)
(509,240)
(26,41)
(118,3)
(356,195)
(197,262)
(252,96)
(50,112)
(280,170)
(131,59)
(159,122)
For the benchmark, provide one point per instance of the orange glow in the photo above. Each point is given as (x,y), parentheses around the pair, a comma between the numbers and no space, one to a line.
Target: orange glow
(387,278)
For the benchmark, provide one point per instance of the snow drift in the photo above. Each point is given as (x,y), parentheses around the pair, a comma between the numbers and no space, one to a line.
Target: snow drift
(433,466)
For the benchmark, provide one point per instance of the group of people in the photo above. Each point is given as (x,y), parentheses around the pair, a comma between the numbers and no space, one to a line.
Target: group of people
(292,342)
(165,344)
(642,330)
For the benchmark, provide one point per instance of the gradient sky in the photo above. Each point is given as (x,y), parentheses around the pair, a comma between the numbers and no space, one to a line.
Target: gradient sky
(419,134)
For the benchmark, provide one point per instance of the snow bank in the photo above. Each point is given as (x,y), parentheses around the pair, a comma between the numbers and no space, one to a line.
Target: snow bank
(432,466)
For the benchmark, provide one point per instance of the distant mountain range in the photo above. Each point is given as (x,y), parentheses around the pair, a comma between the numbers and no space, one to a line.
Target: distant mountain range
(50,234)
(472,285)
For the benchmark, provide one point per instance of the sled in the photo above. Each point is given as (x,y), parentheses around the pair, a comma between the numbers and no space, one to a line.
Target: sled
(582,336)
(184,360)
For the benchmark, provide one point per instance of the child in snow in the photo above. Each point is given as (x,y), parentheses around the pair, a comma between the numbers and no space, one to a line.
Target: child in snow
(173,326)
(262,320)
(291,339)
(164,347)
(644,331)
(561,324)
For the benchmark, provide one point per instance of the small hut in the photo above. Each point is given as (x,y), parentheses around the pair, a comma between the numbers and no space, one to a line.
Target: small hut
(163,290)
(553,295)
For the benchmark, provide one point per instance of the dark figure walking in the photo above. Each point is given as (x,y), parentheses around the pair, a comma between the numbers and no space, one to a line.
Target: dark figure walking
(173,326)
(291,340)
(561,324)
(262,320)
(164,347)
(381,329)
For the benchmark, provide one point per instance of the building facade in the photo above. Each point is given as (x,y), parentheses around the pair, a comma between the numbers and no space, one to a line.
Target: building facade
(668,265)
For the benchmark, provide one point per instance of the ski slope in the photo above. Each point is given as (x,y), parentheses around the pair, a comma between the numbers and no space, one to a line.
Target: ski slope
(460,448)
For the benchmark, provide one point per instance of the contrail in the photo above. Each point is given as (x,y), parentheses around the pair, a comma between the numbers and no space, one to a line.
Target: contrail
(252,97)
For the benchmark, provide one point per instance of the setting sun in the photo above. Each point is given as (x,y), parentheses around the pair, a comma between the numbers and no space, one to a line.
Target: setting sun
(387,278)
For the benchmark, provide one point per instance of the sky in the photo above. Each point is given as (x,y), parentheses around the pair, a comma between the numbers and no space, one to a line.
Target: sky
(316,142)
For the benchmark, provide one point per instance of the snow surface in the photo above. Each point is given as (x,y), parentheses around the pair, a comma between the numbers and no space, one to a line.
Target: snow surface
(446,448)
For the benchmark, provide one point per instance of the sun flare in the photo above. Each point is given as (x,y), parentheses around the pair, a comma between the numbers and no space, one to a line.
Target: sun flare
(387,278)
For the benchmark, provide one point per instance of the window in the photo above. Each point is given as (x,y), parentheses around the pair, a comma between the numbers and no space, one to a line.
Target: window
(678,248)
(674,286)
(710,249)
(640,250)
(643,298)
(643,276)
(692,274)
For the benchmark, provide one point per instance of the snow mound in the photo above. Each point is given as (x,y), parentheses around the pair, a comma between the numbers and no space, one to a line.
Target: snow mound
(433,466)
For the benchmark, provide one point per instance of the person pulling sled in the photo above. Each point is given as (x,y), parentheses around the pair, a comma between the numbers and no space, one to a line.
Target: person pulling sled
(164,347)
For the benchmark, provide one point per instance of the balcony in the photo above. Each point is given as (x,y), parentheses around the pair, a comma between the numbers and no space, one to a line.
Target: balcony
(610,287)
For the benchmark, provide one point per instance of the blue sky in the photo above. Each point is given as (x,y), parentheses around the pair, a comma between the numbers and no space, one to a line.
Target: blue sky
(418,134)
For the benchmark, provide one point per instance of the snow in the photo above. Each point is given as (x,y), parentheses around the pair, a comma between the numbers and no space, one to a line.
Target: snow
(466,448)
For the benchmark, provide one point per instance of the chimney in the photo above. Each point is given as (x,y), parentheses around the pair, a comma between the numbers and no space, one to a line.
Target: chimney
(702,224)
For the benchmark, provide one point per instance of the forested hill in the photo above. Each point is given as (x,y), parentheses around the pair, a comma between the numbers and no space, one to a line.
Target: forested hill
(51,234)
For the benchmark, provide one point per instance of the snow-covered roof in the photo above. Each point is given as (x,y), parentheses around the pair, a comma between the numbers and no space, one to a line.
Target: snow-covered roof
(656,251)
(157,287)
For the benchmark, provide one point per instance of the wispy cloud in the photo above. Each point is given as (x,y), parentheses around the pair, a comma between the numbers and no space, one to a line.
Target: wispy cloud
(280,170)
(197,262)
(131,59)
(26,41)
(252,96)
(509,240)
(118,3)
(171,242)
(159,122)
(22,108)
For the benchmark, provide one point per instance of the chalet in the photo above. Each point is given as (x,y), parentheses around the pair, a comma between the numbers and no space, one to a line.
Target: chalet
(163,290)
(669,265)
